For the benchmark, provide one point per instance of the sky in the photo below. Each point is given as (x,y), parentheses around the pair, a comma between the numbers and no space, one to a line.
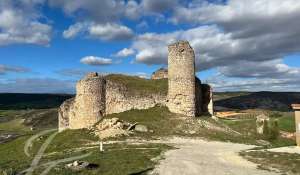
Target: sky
(240,45)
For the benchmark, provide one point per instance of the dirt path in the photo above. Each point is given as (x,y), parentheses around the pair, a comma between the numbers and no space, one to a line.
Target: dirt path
(196,157)
(28,143)
(40,153)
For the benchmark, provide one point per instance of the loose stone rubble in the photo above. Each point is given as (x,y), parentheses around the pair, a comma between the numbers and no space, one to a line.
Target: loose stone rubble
(112,128)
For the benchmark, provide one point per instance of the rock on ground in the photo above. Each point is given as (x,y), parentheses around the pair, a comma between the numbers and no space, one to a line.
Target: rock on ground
(141,128)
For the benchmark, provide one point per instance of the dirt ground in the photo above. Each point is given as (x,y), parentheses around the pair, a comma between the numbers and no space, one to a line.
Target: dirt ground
(195,156)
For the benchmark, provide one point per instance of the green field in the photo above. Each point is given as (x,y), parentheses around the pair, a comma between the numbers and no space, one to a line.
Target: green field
(126,158)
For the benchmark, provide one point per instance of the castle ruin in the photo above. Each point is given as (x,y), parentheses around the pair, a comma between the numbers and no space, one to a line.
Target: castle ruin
(181,79)
(97,96)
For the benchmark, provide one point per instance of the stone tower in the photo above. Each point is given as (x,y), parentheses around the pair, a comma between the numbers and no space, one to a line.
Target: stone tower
(181,74)
(89,102)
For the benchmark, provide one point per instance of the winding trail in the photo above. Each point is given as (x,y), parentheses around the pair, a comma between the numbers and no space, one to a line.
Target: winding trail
(40,153)
(28,143)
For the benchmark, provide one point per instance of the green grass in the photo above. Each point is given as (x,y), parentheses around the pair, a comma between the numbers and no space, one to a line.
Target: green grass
(137,85)
(12,155)
(248,129)
(287,123)
(15,125)
(285,162)
(71,139)
(119,159)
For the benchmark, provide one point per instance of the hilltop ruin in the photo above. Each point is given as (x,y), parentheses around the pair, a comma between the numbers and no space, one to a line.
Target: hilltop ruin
(177,88)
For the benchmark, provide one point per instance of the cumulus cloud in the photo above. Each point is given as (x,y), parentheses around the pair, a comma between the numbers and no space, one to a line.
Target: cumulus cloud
(110,32)
(158,6)
(264,69)
(99,11)
(124,53)
(6,69)
(96,61)
(106,32)
(244,18)
(20,23)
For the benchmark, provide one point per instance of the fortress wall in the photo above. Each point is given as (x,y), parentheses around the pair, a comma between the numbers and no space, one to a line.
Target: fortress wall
(89,102)
(199,97)
(64,112)
(118,99)
(160,74)
(207,99)
(181,74)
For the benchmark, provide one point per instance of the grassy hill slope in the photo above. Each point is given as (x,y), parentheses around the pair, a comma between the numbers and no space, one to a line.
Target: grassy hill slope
(280,101)
(31,101)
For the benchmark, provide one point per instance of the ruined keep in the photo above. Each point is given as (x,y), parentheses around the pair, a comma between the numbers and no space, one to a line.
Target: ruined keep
(97,95)
(181,79)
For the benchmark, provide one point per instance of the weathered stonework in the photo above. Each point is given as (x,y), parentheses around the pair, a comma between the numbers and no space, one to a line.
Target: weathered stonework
(181,74)
(296,107)
(160,74)
(118,99)
(98,95)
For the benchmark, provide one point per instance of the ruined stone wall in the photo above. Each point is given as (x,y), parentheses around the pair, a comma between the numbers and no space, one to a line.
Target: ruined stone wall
(207,99)
(199,97)
(89,104)
(64,113)
(160,74)
(181,74)
(118,99)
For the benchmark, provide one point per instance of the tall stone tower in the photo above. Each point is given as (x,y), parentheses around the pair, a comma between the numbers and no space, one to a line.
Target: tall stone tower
(89,102)
(181,74)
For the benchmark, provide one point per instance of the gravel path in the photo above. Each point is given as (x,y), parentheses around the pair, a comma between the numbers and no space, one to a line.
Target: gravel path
(194,157)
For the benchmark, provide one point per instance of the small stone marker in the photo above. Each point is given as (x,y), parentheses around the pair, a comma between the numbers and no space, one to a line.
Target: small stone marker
(262,121)
(296,107)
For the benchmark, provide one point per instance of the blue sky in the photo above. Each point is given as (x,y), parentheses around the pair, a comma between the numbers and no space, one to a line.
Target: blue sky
(240,45)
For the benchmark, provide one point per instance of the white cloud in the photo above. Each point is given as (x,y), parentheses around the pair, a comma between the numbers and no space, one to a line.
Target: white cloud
(244,18)
(106,32)
(124,53)
(21,24)
(263,69)
(158,6)
(96,61)
(5,69)
(110,32)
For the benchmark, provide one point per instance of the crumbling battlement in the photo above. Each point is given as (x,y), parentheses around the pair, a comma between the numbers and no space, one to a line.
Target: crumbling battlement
(99,95)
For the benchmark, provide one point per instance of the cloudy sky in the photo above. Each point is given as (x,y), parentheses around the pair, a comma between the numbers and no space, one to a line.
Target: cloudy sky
(240,45)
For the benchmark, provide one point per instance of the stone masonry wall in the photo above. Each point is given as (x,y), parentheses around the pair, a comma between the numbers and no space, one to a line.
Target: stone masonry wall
(160,74)
(118,99)
(98,96)
(89,104)
(181,74)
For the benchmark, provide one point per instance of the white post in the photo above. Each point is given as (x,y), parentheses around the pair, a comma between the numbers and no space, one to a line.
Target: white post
(101,146)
